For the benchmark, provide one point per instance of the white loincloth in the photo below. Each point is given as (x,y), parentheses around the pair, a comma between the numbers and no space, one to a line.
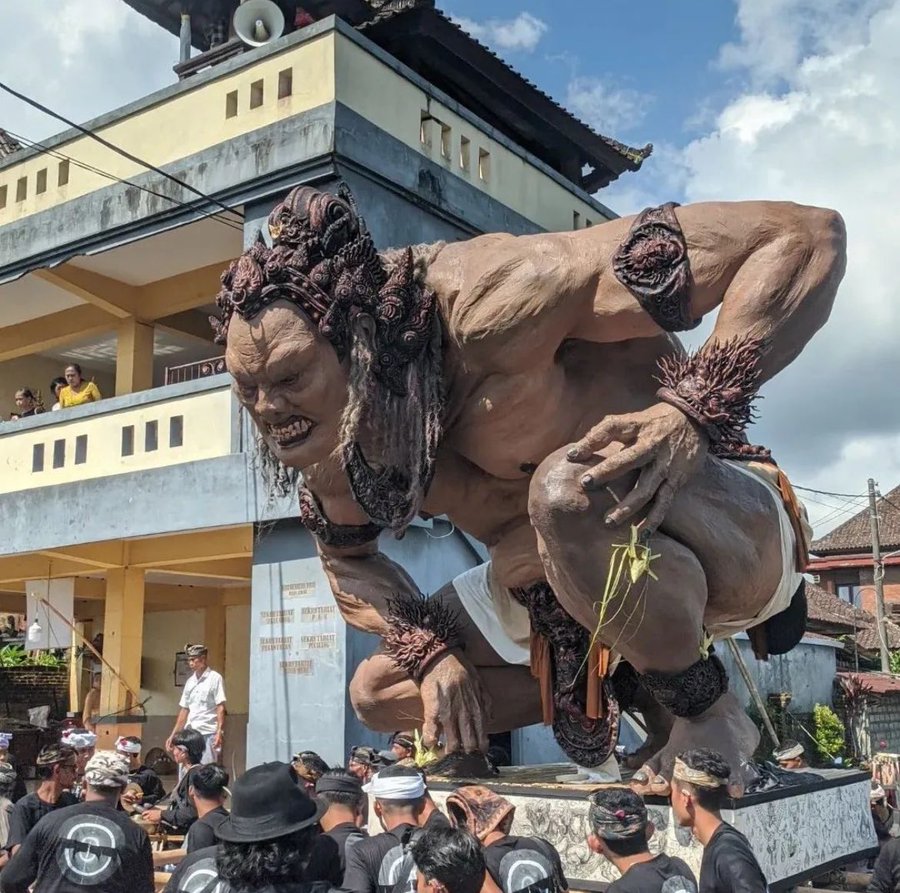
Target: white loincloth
(790,576)
(505,624)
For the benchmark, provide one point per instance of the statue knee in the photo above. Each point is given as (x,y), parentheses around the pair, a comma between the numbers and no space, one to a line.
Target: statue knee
(556,499)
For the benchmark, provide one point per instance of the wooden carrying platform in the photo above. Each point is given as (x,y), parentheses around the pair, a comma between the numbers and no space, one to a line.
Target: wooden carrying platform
(796,833)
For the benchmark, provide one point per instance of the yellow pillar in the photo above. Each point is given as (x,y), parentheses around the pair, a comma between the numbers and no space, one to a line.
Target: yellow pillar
(134,357)
(123,642)
(76,669)
(214,635)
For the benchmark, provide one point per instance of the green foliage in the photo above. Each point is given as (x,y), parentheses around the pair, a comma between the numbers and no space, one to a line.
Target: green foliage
(17,656)
(895,662)
(829,732)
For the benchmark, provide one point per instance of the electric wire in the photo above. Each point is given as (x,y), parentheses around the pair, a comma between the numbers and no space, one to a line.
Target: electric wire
(117,149)
(55,153)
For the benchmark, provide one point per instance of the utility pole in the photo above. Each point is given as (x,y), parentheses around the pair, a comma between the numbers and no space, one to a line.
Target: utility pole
(878,570)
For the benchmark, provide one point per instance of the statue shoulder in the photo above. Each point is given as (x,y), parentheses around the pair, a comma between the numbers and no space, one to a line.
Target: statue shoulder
(496,284)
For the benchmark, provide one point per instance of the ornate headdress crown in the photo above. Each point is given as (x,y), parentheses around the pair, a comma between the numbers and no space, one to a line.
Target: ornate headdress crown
(324,261)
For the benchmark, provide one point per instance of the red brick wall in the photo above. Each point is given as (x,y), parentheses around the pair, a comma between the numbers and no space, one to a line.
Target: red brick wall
(831,579)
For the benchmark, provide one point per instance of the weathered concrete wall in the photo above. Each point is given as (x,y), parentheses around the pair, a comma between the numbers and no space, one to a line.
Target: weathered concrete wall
(807,673)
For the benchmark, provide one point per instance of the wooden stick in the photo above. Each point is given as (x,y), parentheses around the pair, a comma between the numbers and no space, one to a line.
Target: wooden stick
(90,647)
(754,691)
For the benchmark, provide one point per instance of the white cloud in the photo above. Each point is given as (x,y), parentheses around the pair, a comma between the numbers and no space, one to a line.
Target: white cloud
(522,33)
(606,107)
(830,136)
(81,58)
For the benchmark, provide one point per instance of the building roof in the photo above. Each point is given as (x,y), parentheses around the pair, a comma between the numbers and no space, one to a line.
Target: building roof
(826,613)
(434,46)
(8,144)
(855,534)
(877,683)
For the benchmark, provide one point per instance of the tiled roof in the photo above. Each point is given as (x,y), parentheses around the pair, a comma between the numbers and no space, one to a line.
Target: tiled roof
(878,683)
(636,156)
(8,144)
(828,613)
(826,608)
(855,535)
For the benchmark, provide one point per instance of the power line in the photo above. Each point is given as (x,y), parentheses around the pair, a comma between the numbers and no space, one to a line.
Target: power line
(55,153)
(118,149)
(829,493)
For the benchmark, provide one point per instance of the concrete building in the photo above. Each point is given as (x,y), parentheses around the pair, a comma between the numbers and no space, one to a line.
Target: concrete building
(150,500)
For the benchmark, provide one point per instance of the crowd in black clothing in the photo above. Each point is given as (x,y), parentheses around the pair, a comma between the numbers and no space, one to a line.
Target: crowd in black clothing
(300,827)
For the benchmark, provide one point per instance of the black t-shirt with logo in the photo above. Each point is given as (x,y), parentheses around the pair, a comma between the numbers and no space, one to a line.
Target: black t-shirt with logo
(197,874)
(28,811)
(383,863)
(661,874)
(729,865)
(525,863)
(88,845)
(202,833)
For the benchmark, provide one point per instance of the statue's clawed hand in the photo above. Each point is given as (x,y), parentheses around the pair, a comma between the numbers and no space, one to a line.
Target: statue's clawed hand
(661,441)
(456,705)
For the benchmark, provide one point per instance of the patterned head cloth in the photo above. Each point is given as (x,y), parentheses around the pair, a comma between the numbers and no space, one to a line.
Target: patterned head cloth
(309,765)
(128,745)
(80,739)
(7,774)
(195,650)
(617,814)
(876,793)
(697,777)
(479,810)
(789,750)
(5,740)
(106,769)
(55,753)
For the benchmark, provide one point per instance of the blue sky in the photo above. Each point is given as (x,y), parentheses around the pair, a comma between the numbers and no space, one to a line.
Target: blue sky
(655,48)
(743,99)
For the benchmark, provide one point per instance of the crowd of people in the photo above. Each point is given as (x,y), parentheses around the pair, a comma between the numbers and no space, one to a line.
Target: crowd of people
(301,827)
(70,389)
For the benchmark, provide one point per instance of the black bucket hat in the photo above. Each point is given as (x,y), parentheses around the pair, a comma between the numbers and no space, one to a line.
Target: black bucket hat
(266,803)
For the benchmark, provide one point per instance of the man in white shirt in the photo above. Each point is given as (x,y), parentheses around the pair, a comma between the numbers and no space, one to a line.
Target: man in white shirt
(202,704)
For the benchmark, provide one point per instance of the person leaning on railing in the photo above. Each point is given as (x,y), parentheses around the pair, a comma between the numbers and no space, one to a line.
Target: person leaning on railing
(77,391)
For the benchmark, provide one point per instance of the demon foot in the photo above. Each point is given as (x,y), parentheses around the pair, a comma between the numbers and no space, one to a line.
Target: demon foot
(724,728)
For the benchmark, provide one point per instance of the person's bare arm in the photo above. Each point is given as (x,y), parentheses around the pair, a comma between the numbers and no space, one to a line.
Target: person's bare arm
(180,720)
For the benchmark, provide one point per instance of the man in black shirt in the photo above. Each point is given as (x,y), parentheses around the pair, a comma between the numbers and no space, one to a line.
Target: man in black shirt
(699,791)
(266,841)
(448,860)
(56,768)
(208,791)
(382,864)
(91,844)
(886,877)
(516,864)
(342,795)
(144,777)
(620,830)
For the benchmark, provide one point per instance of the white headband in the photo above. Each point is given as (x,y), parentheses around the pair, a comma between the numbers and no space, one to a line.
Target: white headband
(696,777)
(123,745)
(876,793)
(790,753)
(396,787)
(80,739)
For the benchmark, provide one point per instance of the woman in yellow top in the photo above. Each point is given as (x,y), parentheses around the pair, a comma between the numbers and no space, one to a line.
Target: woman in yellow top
(77,391)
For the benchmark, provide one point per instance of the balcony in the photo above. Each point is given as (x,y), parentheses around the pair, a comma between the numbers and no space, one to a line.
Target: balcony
(185,422)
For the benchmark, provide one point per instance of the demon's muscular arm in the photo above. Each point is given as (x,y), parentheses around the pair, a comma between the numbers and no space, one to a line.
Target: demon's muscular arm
(772,268)
(368,587)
